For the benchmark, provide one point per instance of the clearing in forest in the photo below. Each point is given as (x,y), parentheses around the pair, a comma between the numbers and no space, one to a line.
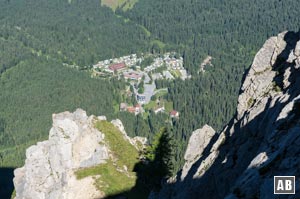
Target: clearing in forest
(124,4)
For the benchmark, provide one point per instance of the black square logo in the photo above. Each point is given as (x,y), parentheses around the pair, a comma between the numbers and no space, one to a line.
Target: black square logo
(284,184)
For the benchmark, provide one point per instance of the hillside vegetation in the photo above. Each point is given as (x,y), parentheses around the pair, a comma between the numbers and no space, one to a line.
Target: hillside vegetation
(229,31)
(36,39)
(32,91)
(123,4)
(113,178)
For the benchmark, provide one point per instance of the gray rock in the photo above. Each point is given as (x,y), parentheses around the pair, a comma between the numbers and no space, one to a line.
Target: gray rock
(49,167)
(260,75)
(197,143)
(74,143)
(101,118)
(297,49)
(297,61)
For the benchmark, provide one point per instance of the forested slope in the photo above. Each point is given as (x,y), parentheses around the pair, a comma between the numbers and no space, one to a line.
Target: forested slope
(216,27)
(81,32)
(229,31)
(33,90)
(36,38)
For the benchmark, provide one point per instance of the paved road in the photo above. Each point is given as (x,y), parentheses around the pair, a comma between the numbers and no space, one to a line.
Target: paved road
(149,90)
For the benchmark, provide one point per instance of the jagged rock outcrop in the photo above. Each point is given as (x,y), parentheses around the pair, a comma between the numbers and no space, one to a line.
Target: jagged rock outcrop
(49,167)
(49,171)
(197,143)
(263,139)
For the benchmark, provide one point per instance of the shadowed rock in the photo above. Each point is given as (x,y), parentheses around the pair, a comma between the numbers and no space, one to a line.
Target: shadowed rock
(261,141)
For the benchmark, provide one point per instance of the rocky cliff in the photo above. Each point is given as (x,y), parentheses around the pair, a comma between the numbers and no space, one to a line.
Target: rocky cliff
(261,141)
(74,144)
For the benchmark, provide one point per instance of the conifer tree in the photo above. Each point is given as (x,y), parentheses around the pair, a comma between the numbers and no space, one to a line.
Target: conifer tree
(159,156)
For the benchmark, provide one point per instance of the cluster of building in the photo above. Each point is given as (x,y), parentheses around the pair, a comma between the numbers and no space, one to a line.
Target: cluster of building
(137,109)
(129,68)
(117,67)
(160,109)
(169,60)
(121,65)
(132,75)
(174,114)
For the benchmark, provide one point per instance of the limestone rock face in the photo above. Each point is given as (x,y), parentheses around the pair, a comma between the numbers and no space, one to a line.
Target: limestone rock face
(263,139)
(197,143)
(259,77)
(49,167)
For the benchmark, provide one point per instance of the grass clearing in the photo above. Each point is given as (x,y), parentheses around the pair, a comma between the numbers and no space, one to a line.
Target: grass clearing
(161,93)
(168,106)
(176,73)
(150,105)
(116,107)
(13,195)
(148,33)
(112,181)
(123,151)
(160,44)
(114,4)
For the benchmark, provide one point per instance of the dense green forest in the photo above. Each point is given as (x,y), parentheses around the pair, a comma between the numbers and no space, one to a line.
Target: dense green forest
(33,90)
(38,36)
(229,31)
(79,33)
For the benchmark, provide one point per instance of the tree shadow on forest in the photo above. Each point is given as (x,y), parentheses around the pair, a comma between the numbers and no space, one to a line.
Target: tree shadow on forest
(241,147)
(6,182)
